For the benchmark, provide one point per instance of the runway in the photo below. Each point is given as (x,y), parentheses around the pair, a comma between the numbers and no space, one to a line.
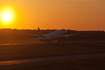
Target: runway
(29,43)
(50,59)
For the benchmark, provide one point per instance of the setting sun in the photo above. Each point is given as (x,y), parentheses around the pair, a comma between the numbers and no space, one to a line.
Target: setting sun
(6,16)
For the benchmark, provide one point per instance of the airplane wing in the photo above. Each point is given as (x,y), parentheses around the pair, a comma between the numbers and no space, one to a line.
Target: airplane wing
(33,34)
(30,34)
(68,35)
(39,35)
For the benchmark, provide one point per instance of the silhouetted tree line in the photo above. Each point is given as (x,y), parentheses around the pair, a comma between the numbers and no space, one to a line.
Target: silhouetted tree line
(14,34)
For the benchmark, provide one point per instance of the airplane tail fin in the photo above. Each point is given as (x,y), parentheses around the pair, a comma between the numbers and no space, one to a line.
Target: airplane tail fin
(40,34)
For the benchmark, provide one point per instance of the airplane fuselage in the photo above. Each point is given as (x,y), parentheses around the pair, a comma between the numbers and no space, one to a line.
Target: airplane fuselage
(53,35)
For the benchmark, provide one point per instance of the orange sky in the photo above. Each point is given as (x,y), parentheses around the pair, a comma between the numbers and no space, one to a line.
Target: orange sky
(55,14)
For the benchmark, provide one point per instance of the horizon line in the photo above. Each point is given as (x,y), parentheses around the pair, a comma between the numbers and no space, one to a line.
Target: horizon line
(47,29)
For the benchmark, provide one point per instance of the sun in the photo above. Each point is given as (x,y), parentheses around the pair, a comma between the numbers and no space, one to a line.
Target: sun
(6,16)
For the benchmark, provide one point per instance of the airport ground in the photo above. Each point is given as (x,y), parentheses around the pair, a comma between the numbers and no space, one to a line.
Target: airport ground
(20,50)
(96,63)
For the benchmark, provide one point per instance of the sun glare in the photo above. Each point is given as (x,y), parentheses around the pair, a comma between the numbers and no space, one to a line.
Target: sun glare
(9,16)
(6,16)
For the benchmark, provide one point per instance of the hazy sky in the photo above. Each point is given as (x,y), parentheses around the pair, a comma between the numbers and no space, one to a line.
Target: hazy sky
(56,14)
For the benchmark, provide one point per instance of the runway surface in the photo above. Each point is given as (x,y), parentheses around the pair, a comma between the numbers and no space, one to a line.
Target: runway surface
(50,59)
(29,43)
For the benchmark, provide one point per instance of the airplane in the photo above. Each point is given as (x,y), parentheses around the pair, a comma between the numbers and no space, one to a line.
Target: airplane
(51,36)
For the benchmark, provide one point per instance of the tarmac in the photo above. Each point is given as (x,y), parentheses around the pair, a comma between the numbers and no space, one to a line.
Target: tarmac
(50,59)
